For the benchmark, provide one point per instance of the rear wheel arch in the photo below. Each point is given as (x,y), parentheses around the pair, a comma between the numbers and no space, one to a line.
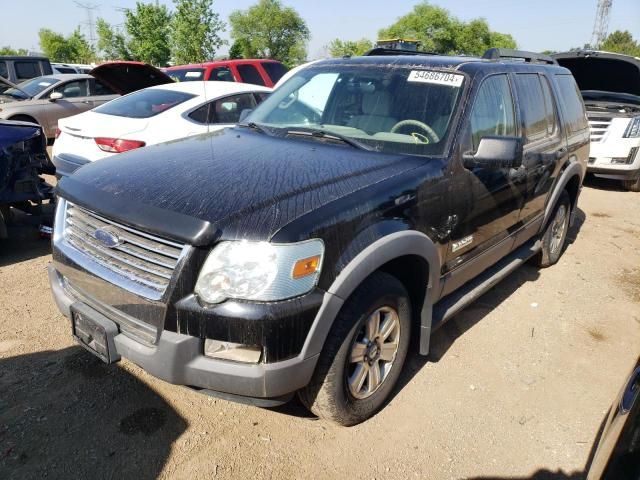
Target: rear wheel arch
(24,118)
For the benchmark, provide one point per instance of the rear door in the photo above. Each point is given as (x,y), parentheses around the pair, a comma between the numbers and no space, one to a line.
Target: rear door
(544,146)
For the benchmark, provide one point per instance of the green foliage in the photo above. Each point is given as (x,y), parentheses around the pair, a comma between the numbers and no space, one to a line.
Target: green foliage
(349,48)
(621,42)
(236,50)
(7,50)
(148,29)
(73,49)
(440,32)
(111,44)
(270,30)
(195,31)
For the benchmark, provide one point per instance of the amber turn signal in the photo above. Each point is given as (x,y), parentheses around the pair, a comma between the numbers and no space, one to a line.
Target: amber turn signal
(306,266)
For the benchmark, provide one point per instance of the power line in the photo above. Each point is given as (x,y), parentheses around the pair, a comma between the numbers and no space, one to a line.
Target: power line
(601,25)
(90,23)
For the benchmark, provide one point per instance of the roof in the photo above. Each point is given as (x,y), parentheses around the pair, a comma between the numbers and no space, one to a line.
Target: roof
(212,89)
(223,62)
(438,61)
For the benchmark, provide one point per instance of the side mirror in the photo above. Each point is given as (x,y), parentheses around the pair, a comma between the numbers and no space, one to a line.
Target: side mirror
(495,153)
(244,114)
(55,96)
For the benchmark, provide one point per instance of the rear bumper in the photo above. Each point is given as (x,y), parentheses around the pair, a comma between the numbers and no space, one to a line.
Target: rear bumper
(179,359)
(67,164)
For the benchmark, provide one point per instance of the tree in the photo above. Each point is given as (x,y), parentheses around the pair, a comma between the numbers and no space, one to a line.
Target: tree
(195,31)
(621,42)
(111,44)
(236,50)
(440,32)
(148,30)
(73,49)
(269,30)
(7,50)
(349,48)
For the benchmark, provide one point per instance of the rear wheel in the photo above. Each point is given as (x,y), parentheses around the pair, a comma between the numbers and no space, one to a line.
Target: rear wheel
(555,236)
(364,353)
(632,185)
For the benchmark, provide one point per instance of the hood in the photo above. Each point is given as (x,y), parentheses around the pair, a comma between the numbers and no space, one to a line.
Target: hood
(237,183)
(127,77)
(603,71)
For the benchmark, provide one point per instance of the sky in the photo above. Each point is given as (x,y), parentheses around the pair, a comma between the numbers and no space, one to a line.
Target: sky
(536,24)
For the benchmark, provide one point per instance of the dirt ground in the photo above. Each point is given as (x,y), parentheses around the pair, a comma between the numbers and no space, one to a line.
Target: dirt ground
(516,386)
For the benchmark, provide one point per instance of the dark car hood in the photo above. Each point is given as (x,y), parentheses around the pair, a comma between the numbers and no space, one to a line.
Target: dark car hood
(127,77)
(236,183)
(603,71)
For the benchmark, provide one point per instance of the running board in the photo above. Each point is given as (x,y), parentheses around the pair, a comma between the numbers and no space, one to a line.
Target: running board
(468,293)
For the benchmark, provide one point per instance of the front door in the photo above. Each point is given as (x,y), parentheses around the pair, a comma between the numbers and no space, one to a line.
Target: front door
(75,99)
(486,202)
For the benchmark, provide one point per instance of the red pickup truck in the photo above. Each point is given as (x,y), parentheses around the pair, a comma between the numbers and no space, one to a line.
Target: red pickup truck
(258,72)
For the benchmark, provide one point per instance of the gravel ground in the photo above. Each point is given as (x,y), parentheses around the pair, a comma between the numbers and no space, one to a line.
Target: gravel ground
(516,386)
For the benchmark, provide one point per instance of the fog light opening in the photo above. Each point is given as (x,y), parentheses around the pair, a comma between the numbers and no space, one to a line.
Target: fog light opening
(236,352)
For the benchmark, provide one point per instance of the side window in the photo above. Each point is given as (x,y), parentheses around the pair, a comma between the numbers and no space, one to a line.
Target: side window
(3,70)
(261,96)
(549,106)
(26,70)
(200,114)
(493,113)
(250,74)
(76,88)
(572,105)
(221,74)
(228,109)
(532,106)
(275,70)
(101,89)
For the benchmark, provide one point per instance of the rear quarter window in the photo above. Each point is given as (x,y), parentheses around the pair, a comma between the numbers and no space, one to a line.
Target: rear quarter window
(250,74)
(274,70)
(571,102)
(144,103)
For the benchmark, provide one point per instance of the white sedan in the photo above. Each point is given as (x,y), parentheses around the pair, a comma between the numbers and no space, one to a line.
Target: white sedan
(148,116)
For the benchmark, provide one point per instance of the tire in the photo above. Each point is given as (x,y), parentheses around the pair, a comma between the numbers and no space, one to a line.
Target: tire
(632,185)
(333,393)
(554,237)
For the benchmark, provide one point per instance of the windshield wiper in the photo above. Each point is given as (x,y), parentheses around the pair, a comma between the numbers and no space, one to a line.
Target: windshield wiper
(255,126)
(319,133)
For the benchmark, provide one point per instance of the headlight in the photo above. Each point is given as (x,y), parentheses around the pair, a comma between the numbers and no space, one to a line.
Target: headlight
(633,130)
(259,271)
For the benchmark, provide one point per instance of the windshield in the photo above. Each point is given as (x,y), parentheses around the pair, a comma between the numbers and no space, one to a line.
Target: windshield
(386,108)
(31,87)
(144,103)
(186,74)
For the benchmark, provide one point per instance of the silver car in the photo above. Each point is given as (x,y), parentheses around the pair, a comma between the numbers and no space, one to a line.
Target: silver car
(44,100)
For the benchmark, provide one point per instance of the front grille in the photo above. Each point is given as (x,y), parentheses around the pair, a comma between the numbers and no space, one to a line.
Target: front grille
(599,125)
(141,258)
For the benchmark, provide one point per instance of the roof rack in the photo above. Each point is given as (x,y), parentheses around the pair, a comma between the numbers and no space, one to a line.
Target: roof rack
(381,51)
(518,55)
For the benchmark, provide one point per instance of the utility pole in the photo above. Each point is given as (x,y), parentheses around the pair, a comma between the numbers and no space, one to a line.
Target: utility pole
(90,23)
(601,25)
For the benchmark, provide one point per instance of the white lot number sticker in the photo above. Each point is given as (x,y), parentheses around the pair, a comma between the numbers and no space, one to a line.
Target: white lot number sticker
(193,74)
(438,78)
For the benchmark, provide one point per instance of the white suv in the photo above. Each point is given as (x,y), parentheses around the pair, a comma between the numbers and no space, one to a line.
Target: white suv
(610,87)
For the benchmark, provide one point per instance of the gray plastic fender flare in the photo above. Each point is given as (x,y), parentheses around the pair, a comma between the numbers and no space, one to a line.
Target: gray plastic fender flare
(574,168)
(366,262)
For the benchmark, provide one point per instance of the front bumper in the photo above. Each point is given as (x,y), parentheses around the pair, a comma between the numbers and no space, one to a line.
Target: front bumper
(614,173)
(177,358)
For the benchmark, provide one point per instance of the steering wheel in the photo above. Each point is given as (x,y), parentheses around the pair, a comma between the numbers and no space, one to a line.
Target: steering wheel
(431,134)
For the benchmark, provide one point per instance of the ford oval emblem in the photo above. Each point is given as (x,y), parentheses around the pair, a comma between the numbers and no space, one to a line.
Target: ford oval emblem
(106,237)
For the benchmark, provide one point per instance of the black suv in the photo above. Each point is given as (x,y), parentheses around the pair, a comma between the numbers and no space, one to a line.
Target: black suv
(364,203)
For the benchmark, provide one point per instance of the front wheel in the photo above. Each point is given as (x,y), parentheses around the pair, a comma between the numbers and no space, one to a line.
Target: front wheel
(632,185)
(364,353)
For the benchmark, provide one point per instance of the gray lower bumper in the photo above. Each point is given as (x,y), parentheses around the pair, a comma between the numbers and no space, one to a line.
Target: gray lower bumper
(616,173)
(178,359)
